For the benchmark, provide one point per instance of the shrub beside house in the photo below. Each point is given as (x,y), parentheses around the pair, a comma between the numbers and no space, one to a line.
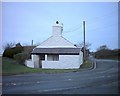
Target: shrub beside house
(10,52)
(19,53)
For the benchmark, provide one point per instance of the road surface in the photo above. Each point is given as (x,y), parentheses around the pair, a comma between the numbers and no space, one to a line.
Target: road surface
(103,79)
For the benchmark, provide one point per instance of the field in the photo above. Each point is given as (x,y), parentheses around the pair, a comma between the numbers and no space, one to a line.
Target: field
(11,67)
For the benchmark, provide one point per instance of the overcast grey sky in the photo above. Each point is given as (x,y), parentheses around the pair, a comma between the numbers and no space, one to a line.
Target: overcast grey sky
(23,22)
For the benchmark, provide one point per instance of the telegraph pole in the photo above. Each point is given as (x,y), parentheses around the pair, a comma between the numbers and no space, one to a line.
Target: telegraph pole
(32,43)
(84,51)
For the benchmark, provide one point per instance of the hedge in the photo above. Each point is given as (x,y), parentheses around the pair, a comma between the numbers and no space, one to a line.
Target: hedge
(20,58)
(10,52)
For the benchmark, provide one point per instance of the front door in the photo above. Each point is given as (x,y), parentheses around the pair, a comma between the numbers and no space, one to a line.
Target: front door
(41,58)
(40,62)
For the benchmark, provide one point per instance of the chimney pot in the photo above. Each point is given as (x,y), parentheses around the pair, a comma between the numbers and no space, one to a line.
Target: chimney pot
(57,22)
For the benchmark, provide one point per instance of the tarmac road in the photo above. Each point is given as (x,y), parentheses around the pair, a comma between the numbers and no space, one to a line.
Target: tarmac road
(103,79)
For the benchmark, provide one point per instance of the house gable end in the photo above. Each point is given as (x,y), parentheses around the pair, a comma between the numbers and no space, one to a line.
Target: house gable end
(57,41)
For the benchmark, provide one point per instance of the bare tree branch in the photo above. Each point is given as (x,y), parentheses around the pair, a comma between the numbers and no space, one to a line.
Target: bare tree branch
(82,45)
(9,45)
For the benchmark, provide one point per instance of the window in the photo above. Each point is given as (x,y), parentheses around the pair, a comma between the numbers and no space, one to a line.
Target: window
(42,57)
(53,57)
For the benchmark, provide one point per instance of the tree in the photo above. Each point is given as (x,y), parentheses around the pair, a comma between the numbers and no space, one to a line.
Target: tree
(28,50)
(9,45)
(10,52)
(87,52)
(103,47)
(81,45)
(103,52)
(18,45)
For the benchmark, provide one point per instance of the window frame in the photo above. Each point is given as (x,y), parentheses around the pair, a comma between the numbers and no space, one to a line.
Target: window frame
(54,57)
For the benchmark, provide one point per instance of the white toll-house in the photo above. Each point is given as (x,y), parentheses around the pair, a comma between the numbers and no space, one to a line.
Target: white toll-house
(56,53)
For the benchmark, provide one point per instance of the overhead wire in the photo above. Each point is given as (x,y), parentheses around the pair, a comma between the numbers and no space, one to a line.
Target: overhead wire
(72,30)
(98,18)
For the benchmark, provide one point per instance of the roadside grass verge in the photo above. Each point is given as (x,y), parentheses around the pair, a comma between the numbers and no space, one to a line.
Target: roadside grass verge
(11,67)
(86,65)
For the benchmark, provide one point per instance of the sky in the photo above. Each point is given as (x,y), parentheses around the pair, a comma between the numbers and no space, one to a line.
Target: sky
(26,21)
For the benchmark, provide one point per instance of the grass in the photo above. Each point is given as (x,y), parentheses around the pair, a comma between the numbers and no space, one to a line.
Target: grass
(87,64)
(11,67)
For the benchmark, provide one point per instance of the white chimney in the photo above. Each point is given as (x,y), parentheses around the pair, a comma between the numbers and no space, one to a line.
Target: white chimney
(57,29)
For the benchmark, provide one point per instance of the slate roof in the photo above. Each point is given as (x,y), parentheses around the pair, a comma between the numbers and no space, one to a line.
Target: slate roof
(64,51)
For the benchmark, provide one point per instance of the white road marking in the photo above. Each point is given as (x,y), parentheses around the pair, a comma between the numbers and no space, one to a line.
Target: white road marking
(23,83)
(58,89)
(94,65)
(13,83)
(108,70)
(38,82)
(69,79)
(112,83)
(97,77)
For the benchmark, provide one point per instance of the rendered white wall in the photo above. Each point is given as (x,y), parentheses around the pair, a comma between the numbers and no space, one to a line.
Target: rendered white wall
(56,42)
(29,63)
(65,62)
(34,62)
(57,30)
(35,58)
(81,57)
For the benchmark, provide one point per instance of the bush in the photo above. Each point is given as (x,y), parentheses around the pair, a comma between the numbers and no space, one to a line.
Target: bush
(10,52)
(20,58)
(28,50)
(107,54)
